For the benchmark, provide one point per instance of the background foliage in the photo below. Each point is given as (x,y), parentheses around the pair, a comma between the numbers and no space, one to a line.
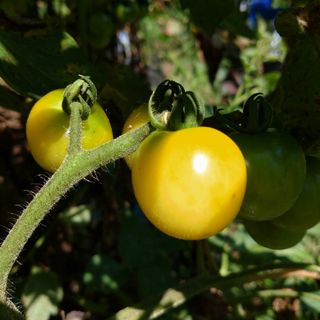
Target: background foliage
(96,252)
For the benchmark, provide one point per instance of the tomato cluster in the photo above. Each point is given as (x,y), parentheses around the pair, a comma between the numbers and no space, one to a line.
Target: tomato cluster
(280,191)
(280,201)
(191,183)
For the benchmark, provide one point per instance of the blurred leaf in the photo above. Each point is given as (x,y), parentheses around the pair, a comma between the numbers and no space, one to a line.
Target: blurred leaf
(60,8)
(14,9)
(140,244)
(296,99)
(209,14)
(80,215)
(126,89)
(312,300)
(236,23)
(155,278)
(264,317)
(315,231)
(10,100)
(235,239)
(34,65)
(42,295)
(103,274)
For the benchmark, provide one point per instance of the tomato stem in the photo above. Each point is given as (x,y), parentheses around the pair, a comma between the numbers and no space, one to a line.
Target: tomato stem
(75,129)
(76,166)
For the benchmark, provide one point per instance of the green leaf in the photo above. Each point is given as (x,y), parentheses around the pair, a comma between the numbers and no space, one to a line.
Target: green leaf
(155,278)
(296,99)
(236,23)
(103,274)
(123,87)
(36,64)
(312,300)
(10,100)
(208,14)
(140,244)
(77,216)
(14,9)
(42,295)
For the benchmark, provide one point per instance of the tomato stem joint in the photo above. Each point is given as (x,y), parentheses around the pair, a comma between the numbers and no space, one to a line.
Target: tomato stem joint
(81,91)
(257,116)
(172,108)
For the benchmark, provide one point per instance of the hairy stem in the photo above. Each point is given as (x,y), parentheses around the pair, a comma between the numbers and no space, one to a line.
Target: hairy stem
(75,129)
(75,167)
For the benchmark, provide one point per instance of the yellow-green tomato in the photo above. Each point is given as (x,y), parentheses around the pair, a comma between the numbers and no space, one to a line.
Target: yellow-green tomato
(189,183)
(48,129)
(136,119)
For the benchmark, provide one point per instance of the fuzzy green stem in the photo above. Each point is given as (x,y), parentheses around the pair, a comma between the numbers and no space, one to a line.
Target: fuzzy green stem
(75,129)
(75,167)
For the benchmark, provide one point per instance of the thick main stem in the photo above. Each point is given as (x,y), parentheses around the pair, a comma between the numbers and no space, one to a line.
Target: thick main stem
(75,167)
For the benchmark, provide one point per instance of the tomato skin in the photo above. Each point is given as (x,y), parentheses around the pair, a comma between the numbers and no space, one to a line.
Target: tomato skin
(271,236)
(137,118)
(276,172)
(305,213)
(47,130)
(189,183)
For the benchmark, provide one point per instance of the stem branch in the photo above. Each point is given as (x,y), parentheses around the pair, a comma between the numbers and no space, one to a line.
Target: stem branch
(75,129)
(75,167)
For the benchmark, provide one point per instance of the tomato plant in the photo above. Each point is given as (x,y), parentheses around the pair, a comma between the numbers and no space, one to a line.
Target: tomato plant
(47,130)
(136,119)
(271,236)
(189,183)
(306,211)
(276,172)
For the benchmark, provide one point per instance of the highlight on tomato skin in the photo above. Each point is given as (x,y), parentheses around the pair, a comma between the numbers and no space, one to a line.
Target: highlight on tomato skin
(189,183)
(47,130)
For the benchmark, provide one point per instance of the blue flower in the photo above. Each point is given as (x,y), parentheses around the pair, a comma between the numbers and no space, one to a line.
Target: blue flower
(261,8)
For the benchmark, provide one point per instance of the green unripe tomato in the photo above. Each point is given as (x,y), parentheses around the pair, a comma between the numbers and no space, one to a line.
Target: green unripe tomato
(271,236)
(305,213)
(276,172)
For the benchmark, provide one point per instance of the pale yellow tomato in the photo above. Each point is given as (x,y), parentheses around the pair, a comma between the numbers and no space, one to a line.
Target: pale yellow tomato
(48,126)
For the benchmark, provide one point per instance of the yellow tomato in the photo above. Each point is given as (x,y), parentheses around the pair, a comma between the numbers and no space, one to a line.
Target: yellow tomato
(189,183)
(136,119)
(48,127)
